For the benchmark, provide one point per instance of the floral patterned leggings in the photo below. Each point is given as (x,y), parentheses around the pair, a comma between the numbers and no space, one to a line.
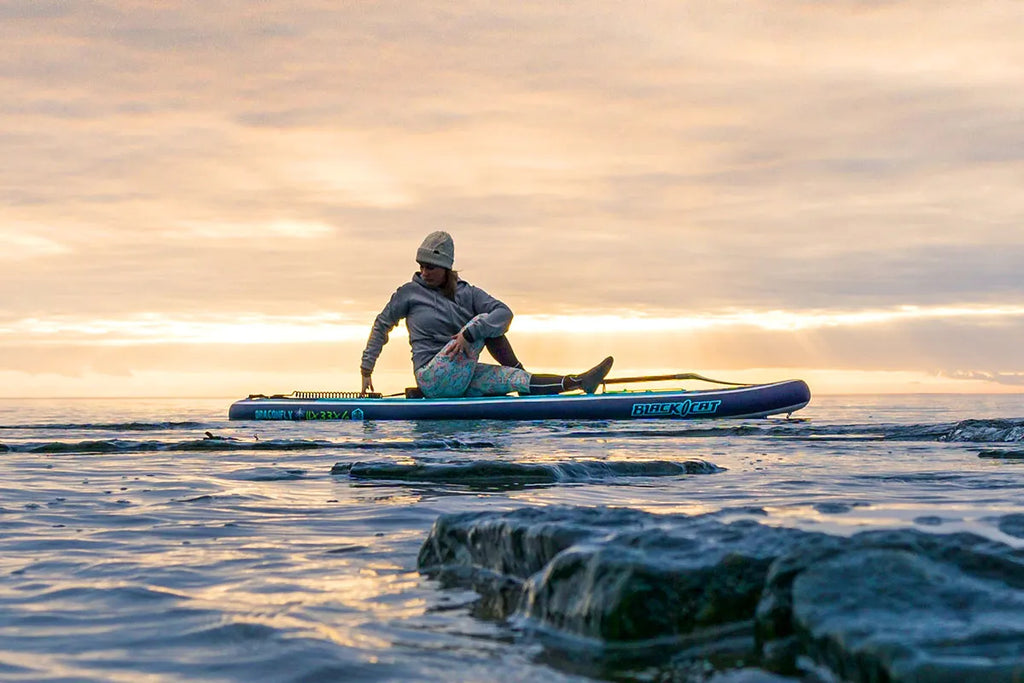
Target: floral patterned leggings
(447,376)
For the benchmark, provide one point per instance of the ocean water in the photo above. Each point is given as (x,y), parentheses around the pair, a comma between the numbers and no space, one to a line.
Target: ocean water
(153,540)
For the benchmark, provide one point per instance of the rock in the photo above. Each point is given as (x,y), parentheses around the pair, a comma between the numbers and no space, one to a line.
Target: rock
(1002,453)
(698,573)
(891,615)
(518,543)
(491,473)
(889,605)
(613,574)
(802,585)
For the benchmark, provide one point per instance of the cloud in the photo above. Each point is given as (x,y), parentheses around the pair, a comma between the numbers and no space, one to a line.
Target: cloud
(18,245)
(15,10)
(275,234)
(678,159)
(1006,378)
(918,339)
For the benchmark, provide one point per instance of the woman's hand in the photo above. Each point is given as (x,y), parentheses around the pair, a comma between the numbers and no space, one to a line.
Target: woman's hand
(367,385)
(460,346)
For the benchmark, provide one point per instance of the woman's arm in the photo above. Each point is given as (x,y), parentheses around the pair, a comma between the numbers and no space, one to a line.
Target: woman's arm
(492,317)
(395,310)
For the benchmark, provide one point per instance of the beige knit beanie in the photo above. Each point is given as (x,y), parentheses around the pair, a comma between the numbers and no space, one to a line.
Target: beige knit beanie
(438,249)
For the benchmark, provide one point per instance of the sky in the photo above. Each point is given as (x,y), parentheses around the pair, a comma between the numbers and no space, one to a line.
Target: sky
(216,198)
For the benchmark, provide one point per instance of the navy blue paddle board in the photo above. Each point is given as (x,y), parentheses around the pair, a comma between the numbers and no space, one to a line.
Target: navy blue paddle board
(756,400)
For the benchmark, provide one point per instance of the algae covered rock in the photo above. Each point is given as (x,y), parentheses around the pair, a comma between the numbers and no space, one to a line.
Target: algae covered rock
(662,581)
(891,605)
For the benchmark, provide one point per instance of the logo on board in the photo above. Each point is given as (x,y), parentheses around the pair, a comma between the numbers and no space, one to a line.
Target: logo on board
(675,408)
(274,414)
(280,414)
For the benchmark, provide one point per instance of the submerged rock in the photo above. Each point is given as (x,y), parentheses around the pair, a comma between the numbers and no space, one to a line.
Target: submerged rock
(499,473)
(900,605)
(1002,453)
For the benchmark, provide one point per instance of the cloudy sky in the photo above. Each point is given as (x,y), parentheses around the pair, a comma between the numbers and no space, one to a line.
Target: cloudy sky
(216,198)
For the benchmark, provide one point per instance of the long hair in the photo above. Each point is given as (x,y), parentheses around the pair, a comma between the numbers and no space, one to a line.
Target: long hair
(451,278)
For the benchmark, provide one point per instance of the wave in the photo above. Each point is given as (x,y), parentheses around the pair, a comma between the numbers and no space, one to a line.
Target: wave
(231,443)
(220,444)
(498,473)
(845,432)
(266,474)
(106,426)
(973,430)
(987,431)
(965,431)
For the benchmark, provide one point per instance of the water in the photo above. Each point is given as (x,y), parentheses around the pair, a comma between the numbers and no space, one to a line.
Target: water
(135,547)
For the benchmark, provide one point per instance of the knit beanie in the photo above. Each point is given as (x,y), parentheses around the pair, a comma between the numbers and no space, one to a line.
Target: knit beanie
(438,249)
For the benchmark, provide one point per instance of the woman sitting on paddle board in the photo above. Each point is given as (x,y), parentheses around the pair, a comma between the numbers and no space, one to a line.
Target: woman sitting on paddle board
(449,322)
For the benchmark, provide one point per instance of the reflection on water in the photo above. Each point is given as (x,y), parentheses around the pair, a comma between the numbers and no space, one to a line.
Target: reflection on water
(134,545)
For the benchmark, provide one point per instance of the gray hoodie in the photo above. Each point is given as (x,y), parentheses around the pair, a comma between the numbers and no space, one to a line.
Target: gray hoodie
(433,319)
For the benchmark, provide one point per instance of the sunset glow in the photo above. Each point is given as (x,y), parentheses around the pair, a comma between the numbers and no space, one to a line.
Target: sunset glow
(152,328)
(682,186)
